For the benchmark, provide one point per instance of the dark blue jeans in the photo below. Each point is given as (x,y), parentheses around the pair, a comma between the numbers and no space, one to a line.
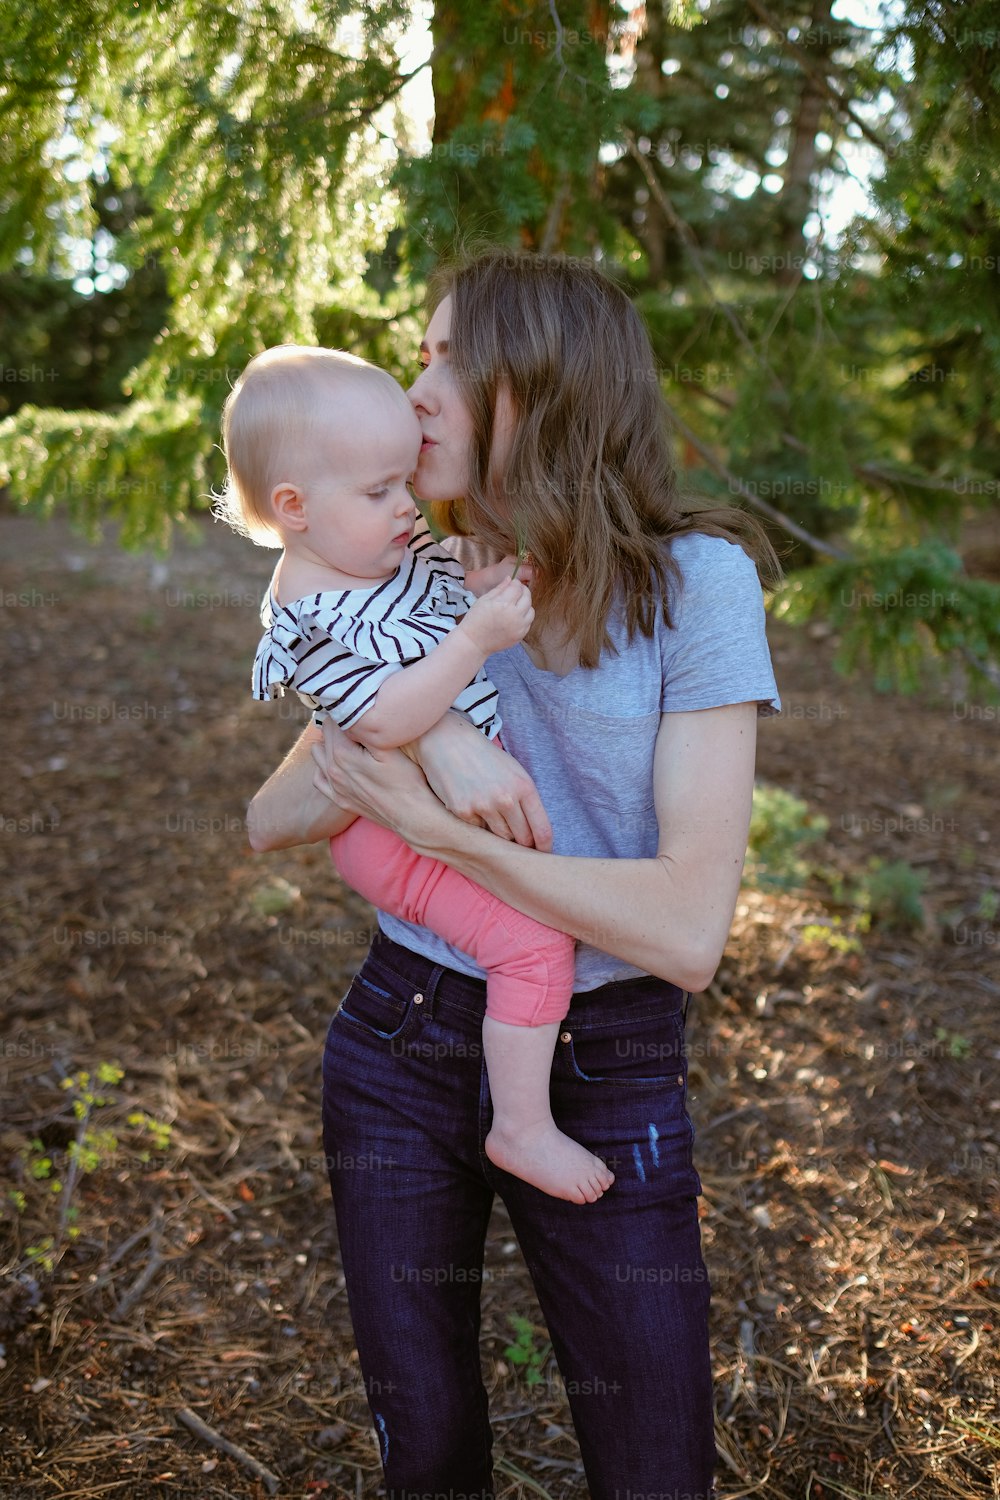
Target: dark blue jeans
(621,1282)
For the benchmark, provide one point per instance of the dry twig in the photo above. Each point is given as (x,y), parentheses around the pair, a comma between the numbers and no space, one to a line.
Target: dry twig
(209,1435)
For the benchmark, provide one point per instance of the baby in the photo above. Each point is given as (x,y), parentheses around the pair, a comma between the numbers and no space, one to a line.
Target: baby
(369,620)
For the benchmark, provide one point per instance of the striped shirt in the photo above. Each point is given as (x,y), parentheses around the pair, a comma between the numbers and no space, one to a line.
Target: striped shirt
(336,648)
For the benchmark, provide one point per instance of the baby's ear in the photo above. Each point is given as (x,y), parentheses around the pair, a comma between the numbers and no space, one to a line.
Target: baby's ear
(288,506)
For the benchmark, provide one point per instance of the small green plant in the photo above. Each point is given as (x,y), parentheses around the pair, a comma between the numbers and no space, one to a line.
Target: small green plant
(781,829)
(892,893)
(834,935)
(955,1044)
(520,545)
(94,1146)
(988,905)
(524,1353)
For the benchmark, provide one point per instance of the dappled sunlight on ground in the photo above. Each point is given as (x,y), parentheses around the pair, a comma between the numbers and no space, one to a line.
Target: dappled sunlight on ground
(845,1084)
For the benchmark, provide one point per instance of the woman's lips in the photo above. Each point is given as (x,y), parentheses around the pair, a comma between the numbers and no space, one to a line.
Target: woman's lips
(427,444)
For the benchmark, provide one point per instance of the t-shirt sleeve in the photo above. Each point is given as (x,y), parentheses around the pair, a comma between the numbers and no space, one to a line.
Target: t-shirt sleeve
(298,655)
(345,688)
(717,652)
(436,555)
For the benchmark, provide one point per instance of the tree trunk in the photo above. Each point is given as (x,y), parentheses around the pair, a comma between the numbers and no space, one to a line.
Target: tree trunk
(797,195)
(648,220)
(539,48)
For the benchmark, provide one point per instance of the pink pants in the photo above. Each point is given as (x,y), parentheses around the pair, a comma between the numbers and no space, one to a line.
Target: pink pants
(529,966)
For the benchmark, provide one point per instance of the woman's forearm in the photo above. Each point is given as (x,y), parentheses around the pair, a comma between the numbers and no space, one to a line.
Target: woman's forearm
(649,912)
(669,915)
(288,809)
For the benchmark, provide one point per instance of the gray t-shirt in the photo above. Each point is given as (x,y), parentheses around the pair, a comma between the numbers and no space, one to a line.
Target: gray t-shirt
(587,739)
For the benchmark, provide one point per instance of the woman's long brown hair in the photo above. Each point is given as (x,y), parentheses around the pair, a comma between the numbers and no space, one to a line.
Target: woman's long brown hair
(589,488)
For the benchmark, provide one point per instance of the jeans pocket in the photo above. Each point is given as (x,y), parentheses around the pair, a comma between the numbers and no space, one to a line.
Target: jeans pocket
(648,1051)
(374,1011)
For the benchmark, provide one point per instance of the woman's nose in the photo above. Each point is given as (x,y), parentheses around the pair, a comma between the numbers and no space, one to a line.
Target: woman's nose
(421,393)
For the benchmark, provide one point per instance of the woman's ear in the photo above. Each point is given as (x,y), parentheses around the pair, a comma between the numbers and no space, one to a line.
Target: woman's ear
(289,506)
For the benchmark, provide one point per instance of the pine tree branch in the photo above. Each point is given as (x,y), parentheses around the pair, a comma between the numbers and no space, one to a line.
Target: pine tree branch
(987,669)
(687,238)
(818,76)
(322,109)
(884,478)
(737,487)
(397,87)
(557,50)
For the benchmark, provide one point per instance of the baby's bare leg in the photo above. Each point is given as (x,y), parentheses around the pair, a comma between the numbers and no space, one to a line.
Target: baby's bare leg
(525,1139)
(529,974)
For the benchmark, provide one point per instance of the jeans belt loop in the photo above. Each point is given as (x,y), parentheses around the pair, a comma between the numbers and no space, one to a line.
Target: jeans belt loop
(430,990)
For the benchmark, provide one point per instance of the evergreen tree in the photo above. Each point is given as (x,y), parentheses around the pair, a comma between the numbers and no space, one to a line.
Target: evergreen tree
(845,389)
(248,132)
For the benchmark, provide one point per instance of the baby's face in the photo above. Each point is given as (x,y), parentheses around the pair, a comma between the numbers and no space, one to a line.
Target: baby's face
(359,513)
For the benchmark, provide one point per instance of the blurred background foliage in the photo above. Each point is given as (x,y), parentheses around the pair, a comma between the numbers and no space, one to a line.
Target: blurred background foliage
(803,199)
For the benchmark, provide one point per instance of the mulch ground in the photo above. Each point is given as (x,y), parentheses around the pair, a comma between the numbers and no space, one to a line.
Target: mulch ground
(846,1099)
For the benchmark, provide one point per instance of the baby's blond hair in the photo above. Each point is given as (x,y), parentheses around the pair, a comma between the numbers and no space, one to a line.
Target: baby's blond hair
(271,415)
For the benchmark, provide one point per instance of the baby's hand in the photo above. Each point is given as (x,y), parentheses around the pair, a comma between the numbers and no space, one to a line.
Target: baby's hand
(500,618)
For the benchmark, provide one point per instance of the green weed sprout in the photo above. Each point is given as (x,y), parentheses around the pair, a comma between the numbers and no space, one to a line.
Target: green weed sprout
(93,1148)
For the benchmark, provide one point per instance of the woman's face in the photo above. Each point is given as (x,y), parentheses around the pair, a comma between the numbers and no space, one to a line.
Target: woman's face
(442,471)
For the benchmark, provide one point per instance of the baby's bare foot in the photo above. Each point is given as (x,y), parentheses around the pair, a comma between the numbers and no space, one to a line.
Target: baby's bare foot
(551,1161)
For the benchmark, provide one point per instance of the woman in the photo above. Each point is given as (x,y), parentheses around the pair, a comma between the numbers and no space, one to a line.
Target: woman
(630,711)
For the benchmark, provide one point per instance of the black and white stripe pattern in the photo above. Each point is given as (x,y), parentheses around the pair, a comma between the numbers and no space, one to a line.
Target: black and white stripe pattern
(336,648)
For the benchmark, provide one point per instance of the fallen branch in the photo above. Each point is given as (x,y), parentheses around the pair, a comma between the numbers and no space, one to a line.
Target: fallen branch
(215,1439)
(127,1301)
(153,1230)
(211,1199)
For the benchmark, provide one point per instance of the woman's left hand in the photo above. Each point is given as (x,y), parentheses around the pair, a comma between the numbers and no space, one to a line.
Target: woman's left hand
(382,785)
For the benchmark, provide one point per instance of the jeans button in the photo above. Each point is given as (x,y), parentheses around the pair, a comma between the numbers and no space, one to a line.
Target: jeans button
(418,999)
(565,1036)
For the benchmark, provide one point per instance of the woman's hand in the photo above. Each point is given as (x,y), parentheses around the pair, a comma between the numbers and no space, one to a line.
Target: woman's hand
(384,786)
(474,779)
(481,784)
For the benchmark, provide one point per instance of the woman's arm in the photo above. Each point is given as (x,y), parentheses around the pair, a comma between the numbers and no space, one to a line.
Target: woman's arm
(477,780)
(480,782)
(669,915)
(289,809)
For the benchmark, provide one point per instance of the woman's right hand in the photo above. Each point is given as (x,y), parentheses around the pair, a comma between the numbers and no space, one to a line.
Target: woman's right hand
(481,784)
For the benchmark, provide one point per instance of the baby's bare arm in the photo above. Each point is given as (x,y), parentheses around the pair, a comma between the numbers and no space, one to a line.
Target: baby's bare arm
(411,701)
